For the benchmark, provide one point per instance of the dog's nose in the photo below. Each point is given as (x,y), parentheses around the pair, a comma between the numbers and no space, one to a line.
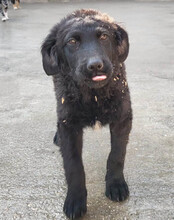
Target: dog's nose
(95,64)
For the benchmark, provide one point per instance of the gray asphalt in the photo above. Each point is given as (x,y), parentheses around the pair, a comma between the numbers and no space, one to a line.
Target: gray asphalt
(32,184)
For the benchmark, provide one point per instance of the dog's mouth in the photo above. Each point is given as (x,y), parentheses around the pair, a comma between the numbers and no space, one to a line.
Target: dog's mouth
(97,81)
(99,78)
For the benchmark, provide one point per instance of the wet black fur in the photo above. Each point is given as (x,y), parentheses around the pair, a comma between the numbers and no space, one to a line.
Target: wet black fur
(80,105)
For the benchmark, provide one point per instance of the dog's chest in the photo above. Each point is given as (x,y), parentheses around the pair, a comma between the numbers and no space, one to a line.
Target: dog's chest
(100,110)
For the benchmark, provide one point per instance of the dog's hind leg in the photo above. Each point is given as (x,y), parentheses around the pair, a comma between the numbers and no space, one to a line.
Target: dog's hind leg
(56,139)
(116,186)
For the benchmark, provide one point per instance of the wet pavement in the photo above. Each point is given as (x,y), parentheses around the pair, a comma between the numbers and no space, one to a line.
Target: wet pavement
(32,184)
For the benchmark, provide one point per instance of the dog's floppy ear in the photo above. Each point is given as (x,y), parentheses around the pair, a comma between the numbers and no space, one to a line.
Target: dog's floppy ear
(49,54)
(122,43)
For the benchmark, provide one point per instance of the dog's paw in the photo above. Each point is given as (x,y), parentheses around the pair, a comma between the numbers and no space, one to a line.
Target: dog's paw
(75,206)
(117,190)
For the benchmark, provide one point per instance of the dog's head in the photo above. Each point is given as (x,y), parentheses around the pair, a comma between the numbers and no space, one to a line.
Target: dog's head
(87,45)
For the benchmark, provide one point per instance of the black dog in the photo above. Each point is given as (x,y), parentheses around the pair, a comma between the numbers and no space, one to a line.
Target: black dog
(85,53)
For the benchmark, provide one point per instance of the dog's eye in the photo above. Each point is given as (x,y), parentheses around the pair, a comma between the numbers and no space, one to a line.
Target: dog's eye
(103,36)
(72,41)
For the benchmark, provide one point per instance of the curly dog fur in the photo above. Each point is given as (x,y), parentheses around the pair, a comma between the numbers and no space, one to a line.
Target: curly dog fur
(85,54)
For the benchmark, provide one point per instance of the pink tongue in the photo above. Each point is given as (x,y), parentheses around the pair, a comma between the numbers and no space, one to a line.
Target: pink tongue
(99,78)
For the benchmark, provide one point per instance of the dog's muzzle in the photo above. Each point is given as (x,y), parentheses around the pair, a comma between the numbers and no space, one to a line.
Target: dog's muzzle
(94,72)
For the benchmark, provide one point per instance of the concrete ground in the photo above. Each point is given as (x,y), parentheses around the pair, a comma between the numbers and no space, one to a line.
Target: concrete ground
(32,184)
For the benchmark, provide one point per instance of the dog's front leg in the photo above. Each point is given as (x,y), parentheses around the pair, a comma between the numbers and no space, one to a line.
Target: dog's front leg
(71,148)
(116,186)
